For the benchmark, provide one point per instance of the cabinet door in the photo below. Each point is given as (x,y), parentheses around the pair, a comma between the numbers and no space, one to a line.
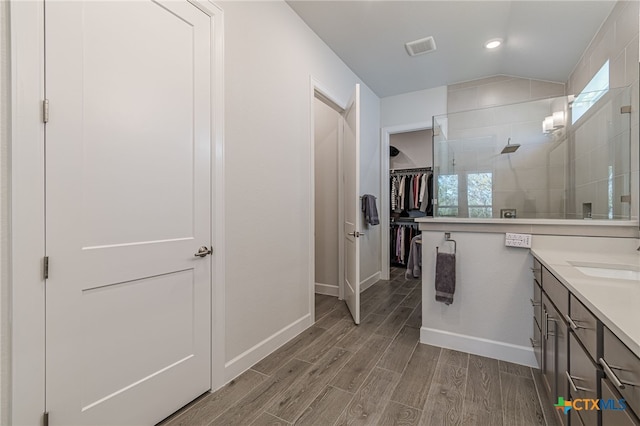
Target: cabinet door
(562,355)
(583,380)
(536,343)
(555,351)
(536,340)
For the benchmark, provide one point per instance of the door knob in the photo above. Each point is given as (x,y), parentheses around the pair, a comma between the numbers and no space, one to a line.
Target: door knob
(203,251)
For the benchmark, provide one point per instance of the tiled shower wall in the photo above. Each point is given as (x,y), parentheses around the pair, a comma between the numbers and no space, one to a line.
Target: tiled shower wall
(617,41)
(498,90)
(523,180)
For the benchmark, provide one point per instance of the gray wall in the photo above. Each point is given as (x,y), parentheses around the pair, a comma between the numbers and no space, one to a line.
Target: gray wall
(326,196)
(5,119)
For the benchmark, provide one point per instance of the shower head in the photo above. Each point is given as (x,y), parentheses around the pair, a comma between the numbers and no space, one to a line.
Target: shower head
(510,148)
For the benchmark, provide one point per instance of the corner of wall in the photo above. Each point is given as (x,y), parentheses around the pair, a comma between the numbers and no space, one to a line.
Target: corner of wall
(5,119)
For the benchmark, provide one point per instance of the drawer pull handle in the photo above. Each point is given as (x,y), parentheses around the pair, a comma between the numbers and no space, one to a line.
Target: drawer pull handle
(610,374)
(573,385)
(536,269)
(534,304)
(572,323)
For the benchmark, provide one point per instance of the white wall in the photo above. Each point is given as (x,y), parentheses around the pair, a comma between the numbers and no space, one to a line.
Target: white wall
(489,315)
(5,84)
(326,121)
(270,55)
(415,149)
(413,107)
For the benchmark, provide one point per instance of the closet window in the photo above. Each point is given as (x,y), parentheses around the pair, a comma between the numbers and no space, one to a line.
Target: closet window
(480,194)
(448,195)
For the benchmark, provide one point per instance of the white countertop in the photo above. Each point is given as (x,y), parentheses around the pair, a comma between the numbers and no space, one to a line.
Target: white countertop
(498,221)
(616,302)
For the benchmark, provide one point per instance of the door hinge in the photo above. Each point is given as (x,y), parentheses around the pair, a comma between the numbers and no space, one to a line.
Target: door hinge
(626,109)
(45,111)
(45,418)
(45,268)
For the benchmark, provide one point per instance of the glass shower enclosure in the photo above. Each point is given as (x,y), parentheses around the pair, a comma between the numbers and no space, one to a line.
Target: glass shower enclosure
(529,160)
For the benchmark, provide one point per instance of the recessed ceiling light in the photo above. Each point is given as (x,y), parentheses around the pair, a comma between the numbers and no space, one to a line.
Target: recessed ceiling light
(493,43)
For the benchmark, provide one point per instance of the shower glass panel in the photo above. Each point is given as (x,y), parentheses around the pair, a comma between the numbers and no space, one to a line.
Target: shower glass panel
(559,170)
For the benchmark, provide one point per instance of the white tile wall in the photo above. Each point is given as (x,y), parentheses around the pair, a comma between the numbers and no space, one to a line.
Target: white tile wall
(617,41)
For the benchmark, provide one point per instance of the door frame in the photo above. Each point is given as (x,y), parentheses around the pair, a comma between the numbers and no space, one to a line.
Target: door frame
(385,136)
(319,91)
(27,208)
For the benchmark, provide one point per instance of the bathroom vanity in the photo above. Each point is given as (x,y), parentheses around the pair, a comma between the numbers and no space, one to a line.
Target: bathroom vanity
(586,327)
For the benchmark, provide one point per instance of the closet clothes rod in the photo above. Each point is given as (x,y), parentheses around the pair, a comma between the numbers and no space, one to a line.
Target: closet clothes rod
(409,171)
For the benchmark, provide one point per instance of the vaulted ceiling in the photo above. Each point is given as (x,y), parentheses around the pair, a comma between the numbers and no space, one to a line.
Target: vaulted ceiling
(542,39)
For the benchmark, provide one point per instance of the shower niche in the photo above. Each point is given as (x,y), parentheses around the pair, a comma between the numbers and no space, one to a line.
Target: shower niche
(530,160)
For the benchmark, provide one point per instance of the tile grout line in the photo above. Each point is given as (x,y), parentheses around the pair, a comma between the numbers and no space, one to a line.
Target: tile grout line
(504,420)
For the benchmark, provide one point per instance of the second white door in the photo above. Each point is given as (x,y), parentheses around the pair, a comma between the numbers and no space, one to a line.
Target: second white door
(352,213)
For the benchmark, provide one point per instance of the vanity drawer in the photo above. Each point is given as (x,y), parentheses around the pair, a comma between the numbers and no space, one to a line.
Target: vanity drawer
(622,369)
(615,417)
(584,324)
(583,380)
(537,270)
(556,291)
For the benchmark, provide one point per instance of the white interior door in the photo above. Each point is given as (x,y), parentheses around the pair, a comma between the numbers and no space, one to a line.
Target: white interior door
(128,201)
(352,214)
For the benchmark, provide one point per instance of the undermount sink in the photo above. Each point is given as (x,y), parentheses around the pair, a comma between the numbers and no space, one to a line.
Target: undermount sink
(604,270)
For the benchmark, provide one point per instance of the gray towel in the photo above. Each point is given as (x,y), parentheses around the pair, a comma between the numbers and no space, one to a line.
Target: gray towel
(370,210)
(445,277)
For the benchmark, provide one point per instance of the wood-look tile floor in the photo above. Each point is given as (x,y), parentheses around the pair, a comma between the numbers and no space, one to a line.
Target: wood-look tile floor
(377,373)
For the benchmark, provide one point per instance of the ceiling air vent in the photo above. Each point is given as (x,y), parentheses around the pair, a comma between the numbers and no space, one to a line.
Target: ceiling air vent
(418,47)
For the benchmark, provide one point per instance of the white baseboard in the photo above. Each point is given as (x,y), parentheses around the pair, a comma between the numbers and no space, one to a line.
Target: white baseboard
(248,358)
(327,289)
(365,284)
(522,355)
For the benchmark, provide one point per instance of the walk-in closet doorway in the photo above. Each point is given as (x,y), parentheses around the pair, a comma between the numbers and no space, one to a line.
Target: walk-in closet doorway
(413,145)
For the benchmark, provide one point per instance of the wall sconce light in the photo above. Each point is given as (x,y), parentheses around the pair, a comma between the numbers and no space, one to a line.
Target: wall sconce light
(553,122)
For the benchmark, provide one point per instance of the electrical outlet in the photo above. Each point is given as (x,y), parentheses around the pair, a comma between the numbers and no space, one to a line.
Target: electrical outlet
(517,240)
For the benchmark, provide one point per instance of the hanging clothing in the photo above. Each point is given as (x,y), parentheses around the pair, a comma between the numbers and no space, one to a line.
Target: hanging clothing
(401,237)
(394,192)
(411,193)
